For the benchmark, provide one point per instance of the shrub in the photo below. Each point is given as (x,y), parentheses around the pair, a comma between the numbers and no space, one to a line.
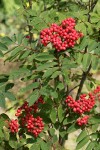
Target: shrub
(57,59)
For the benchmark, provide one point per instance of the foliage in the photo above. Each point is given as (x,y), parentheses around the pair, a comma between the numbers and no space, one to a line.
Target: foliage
(54,76)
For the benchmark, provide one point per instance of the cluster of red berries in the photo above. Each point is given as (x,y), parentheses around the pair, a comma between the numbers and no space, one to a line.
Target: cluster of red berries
(25,107)
(14,125)
(61,36)
(33,125)
(96,92)
(84,104)
(81,106)
(83,120)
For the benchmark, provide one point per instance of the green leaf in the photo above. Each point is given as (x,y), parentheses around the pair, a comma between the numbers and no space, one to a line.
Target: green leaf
(86,61)
(73,128)
(56,74)
(95,62)
(97,147)
(7,41)
(94,17)
(35,146)
(6,134)
(62,133)
(37,22)
(89,28)
(52,131)
(61,16)
(32,57)
(54,94)
(84,43)
(81,27)
(1,133)
(81,135)
(9,86)
(82,143)
(13,141)
(68,120)
(67,64)
(79,57)
(94,120)
(60,86)
(31,140)
(25,54)
(34,97)
(44,56)
(44,146)
(49,72)
(16,50)
(22,140)
(30,87)
(90,146)
(92,45)
(3,47)
(54,139)
(94,136)
(25,41)
(19,38)
(3,118)
(94,127)
(98,25)
(1,54)
(13,38)
(45,66)
(21,72)
(53,115)
(2,100)
(60,113)
(10,96)
(3,79)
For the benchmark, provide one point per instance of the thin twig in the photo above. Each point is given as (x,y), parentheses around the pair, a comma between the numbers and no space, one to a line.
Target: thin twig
(73,88)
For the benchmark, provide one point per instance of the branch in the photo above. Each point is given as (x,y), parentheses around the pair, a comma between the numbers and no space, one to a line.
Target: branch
(93,5)
(84,76)
(73,88)
(29,26)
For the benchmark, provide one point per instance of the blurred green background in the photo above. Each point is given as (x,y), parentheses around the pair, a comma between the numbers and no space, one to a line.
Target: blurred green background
(9,19)
(10,23)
